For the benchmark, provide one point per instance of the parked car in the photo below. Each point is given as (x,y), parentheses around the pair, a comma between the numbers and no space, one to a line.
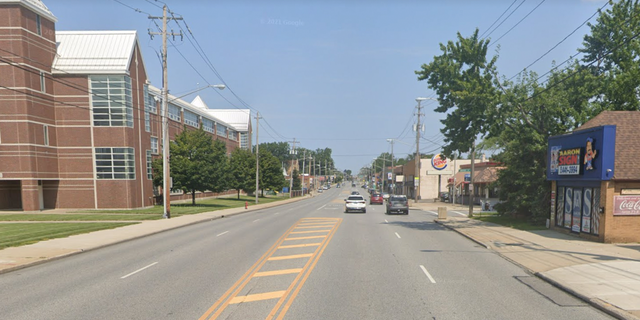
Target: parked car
(320,190)
(355,203)
(385,196)
(398,203)
(444,196)
(376,198)
(325,187)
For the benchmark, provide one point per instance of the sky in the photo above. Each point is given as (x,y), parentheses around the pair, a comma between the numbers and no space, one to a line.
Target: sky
(333,74)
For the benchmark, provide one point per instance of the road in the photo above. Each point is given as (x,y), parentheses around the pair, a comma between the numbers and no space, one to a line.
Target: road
(304,260)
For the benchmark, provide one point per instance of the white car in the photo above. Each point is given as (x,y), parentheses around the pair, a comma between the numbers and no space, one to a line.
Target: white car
(355,203)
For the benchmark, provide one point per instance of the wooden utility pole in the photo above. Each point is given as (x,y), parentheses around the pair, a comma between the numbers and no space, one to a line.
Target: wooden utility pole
(257,154)
(166,178)
(292,153)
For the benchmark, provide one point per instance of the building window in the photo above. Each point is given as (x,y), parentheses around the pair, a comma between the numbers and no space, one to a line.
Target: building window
(244,140)
(174,113)
(221,130)
(191,119)
(150,103)
(149,167)
(42,83)
(233,135)
(115,163)
(111,101)
(38,25)
(147,121)
(207,125)
(45,130)
(154,145)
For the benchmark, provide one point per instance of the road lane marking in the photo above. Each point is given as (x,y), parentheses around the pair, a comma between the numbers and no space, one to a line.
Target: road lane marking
(319,223)
(308,267)
(277,272)
(221,233)
(312,231)
(460,213)
(385,220)
(257,297)
(398,235)
(286,298)
(432,212)
(300,245)
(427,273)
(293,256)
(256,220)
(321,207)
(311,227)
(304,238)
(132,273)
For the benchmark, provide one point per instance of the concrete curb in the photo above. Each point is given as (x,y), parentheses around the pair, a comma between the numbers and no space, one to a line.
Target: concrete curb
(230,214)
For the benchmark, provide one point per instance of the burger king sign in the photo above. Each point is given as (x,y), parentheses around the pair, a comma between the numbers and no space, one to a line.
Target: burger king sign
(439,162)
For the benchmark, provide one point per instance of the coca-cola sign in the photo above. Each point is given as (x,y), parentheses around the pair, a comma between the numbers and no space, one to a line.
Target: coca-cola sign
(626,205)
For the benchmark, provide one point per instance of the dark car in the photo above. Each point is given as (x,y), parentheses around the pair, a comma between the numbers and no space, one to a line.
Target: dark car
(376,198)
(355,193)
(398,203)
(444,196)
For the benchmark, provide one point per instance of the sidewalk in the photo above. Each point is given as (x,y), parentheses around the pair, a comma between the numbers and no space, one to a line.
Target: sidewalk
(605,275)
(14,258)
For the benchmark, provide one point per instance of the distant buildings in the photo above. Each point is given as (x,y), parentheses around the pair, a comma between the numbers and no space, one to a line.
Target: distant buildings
(79,122)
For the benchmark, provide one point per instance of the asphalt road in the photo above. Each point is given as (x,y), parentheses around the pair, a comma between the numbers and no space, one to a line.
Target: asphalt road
(304,260)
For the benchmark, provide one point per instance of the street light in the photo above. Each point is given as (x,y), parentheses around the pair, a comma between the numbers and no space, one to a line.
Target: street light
(166,193)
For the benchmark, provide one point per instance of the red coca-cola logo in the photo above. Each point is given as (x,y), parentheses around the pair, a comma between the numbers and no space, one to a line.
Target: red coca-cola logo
(629,205)
(438,162)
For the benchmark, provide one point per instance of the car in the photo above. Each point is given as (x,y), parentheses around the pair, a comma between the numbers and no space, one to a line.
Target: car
(353,185)
(444,196)
(325,187)
(376,198)
(398,203)
(355,203)
(355,193)
(385,196)
(337,185)
(320,190)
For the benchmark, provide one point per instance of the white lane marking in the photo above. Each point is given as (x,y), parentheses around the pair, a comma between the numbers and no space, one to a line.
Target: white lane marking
(222,233)
(385,220)
(460,213)
(427,273)
(277,212)
(398,235)
(321,207)
(256,220)
(432,212)
(132,273)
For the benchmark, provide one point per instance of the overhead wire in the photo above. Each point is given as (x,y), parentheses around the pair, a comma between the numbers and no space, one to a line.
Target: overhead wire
(515,25)
(494,22)
(506,18)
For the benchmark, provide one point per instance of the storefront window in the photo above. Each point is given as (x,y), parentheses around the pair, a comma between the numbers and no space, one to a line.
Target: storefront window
(577,209)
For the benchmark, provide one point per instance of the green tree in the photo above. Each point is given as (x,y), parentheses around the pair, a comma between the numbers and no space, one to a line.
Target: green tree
(280,150)
(611,55)
(464,81)
(297,184)
(197,163)
(271,176)
(243,171)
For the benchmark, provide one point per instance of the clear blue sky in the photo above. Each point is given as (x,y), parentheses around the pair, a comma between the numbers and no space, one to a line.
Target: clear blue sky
(337,74)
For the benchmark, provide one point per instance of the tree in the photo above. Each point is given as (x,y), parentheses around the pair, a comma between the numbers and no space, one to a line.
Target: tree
(242,166)
(297,184)
(271,176)
(280,150)
(197,163)
(611,55)
(464,81)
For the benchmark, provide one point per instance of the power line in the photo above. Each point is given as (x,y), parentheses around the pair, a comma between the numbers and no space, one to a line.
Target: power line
(505,19)
(505,11)
(530,12)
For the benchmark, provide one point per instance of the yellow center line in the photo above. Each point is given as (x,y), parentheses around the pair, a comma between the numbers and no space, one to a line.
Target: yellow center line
(317,223)
(310,227)
(257,297)
(293,256)
(303,238)
(277,272)
(312,231)
(300,245)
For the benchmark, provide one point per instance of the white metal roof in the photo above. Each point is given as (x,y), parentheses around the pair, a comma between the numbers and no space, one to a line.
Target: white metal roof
(36,6)
(238,118)
(94,52)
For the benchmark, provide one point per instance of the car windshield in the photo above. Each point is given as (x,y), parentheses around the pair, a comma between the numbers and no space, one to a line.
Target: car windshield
(355,198)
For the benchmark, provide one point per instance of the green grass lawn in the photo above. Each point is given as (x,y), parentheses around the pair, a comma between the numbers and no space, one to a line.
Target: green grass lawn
(20,234)
(77,217)
(512,222)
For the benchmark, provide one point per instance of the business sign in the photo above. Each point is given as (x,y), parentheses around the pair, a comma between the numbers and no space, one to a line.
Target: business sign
(439,162)
(389,175)
(416,181)
(626,205)
(569,162)
(587,155)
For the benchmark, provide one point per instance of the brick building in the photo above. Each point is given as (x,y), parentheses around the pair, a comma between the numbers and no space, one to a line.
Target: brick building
(79,122)
(595,178)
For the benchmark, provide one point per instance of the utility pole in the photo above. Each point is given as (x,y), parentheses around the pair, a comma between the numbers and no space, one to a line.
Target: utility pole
(304,161)
(471,186)
(257,154)
(384,164)
(292,152)
(417,159)
(393,178)
(453,191)
(166,181)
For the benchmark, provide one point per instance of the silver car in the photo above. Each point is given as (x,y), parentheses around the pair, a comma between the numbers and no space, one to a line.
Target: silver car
(398,203)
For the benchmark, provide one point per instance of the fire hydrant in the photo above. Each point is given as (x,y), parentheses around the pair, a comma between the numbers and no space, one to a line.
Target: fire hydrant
(246,204)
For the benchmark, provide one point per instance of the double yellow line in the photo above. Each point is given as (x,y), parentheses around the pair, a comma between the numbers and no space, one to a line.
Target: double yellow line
(285,297)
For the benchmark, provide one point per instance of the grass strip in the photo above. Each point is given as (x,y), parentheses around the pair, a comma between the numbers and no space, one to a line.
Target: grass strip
(511,222)
(20,234)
